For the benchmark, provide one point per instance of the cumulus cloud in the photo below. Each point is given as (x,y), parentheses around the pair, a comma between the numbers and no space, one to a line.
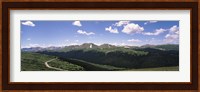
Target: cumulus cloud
(174,29)
(149,22)
(132,28)
(84,32)
(134,40)
(77,23)
(111,30)
(173,35)
(128,28)
(120,23)
(156,32)
(28,23)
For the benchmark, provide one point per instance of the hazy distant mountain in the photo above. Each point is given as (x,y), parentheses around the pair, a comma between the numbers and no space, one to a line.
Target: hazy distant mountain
(147,46)
(72,47)
(88,45)
(32,49)
(35,49)
(168,46)
(53,48)
(107,46)
(162,47)
(103,46)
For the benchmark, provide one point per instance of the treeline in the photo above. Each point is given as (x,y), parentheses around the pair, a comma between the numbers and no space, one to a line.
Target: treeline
(144,58)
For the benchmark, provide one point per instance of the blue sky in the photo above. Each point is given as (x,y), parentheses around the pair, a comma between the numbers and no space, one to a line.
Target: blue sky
(64,33)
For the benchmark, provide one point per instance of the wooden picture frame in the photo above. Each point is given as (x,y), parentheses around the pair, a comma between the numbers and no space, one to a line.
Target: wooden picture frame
(7,6)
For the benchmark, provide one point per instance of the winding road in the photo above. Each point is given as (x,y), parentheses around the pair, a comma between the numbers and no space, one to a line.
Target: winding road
(48,66)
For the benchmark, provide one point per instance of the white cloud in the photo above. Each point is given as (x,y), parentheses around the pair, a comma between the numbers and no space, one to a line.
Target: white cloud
(73,44)
(134,40)
(84,32)
(145,23)
(171,38)
(112,30)
(77,23)
(57,45)
(43,45)
(122,44)
(149,22)
(114,43)
(76,40)
(31,45)
(34,45)
(28,23)
(173,35)
(132,28)
(156,32)
(97,44)
(28,39)
(174,29)
(120,23)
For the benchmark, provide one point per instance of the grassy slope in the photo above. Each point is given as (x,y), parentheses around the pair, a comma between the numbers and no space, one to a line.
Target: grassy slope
(35,62)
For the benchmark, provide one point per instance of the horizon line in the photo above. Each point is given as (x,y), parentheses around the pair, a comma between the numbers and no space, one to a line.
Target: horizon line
(95,44)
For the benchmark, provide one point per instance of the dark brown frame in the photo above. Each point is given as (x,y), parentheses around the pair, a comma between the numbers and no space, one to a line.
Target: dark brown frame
(7,85)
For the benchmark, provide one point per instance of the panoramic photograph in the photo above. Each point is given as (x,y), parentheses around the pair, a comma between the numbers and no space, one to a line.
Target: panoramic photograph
(99,45)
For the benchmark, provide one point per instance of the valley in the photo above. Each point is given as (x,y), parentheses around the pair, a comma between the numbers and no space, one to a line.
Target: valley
(105,57)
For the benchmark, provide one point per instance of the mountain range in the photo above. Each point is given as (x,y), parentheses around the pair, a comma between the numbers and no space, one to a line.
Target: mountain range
(103,46)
